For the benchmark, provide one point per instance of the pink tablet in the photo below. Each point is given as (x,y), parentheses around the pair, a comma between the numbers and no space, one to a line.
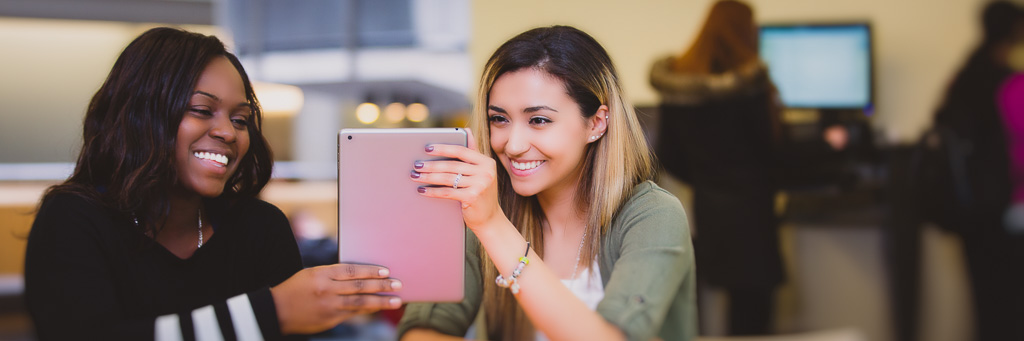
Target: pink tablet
(382,220)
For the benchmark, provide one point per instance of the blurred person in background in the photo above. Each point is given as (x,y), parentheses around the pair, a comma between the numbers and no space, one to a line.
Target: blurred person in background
(1011,103)
(980,119)
(159,234)
(719,131)
(315,246)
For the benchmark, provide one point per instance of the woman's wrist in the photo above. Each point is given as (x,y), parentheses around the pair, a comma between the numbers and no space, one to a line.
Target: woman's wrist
(504,244)
(495,222)
(495,232)
(281,309)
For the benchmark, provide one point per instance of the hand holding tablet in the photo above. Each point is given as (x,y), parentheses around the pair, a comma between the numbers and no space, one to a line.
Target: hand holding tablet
(465,176)
(383,219)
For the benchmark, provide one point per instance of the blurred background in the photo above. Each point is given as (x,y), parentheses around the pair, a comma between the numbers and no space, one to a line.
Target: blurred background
(323,65)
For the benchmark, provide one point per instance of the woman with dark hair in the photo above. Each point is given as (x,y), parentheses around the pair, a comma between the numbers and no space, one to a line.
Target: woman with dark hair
(159,234)
(570,239)
(719,126)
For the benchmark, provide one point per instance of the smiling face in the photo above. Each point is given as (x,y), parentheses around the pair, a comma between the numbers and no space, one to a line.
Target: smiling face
(213,135)
(538,132)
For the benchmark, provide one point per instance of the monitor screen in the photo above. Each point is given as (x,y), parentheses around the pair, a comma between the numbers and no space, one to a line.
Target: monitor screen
(820,66)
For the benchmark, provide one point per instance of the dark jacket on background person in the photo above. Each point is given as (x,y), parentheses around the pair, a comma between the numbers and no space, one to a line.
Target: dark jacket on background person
(972,120)
(718,133)
(969,112)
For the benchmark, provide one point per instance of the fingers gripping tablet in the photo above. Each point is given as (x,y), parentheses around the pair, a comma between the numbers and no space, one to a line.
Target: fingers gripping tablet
(382,219)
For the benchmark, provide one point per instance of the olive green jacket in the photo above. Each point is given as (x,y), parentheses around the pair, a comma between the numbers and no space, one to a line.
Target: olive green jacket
(647,268)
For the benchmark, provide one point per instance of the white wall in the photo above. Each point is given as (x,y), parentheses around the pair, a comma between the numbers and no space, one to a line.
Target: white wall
(49,69)
(919,43)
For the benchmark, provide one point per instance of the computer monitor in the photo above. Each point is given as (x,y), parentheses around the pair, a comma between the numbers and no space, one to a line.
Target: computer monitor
(820,66)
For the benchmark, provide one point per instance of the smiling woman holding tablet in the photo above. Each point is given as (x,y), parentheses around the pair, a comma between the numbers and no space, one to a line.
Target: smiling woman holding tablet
(570,238)
(159,234)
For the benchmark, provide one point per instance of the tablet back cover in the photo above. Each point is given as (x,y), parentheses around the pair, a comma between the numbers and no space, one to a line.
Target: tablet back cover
(383,220)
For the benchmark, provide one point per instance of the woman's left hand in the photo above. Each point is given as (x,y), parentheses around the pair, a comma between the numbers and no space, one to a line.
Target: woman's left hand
(470,179)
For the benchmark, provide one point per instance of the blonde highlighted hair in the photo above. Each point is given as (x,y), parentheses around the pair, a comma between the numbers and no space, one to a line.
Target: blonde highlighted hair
(613,165)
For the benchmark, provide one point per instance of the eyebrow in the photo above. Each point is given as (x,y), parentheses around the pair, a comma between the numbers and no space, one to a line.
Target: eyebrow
(215,98)
(539,108)
(207,94)
(527,110)
(495,108)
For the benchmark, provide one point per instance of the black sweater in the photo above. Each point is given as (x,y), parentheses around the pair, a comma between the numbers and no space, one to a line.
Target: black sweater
(92,274)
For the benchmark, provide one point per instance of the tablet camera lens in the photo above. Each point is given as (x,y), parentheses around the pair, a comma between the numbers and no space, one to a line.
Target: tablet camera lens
(350,137)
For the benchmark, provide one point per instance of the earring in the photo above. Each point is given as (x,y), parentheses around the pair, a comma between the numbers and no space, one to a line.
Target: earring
(593,138)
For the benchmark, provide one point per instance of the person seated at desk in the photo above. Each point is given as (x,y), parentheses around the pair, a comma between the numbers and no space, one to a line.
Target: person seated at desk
(158,233)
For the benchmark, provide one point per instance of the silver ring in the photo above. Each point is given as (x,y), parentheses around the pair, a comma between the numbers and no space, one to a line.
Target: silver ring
(457,178)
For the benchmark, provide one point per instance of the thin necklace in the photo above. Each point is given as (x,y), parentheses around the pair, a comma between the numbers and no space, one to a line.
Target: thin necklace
(578,250)
(200,213)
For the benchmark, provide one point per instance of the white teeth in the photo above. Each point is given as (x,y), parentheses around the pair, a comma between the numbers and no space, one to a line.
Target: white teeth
(219,158)
(526,165)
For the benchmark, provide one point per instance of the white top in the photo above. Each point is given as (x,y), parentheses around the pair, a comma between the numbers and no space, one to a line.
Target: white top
(587,287)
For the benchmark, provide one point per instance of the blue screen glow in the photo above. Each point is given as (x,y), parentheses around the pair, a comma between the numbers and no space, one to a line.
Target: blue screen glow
(819,66)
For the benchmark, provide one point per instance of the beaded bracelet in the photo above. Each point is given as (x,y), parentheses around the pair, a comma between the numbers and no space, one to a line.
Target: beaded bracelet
(513,283)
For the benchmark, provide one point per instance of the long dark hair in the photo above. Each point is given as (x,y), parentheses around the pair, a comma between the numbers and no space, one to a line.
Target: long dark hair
(130,127)
(612,166)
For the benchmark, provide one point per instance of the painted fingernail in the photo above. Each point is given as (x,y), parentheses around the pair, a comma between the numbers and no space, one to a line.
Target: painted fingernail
(417,165)
(429,149)
(415,175)
(396,285)
(384,272)
(395,302)
(421,189)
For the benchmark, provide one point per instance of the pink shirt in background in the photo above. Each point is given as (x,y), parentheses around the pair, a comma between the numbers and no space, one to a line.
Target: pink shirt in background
(1011,103)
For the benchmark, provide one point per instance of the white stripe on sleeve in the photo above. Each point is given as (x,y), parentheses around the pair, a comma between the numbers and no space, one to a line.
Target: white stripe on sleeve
(205,322)
(244,319)
(167,328)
